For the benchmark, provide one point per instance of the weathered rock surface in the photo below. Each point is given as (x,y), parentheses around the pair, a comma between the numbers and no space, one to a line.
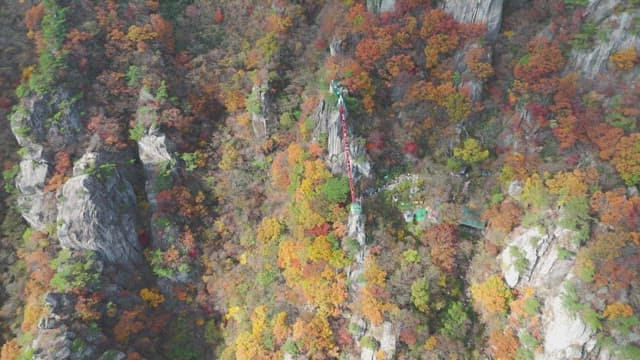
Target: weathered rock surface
(565,336)
(37,207)
(595,62)
(259,120)
(155,151)
(41,125)
(327,123)
(487,12)
(379,6)
(51,119)
(96,212)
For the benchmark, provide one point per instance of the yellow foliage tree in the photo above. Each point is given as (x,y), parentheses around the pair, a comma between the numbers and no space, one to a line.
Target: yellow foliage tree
(152,297)
(625,59)
(315,335)
(618,310)
(269,230)
(471,151)
(493,295)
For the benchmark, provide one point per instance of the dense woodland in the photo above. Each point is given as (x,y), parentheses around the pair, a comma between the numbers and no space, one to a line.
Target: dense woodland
(243,242)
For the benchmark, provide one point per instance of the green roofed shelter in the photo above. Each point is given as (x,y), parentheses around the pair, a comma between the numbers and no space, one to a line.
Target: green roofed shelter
(471,219)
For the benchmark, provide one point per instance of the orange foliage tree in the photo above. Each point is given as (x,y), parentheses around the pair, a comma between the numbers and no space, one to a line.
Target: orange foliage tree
(627,159)
(476,59)
(10,350)
(503,345)
(503,216)
(565,127)
(315,335)
(605,137)
(373,295)
(615,209)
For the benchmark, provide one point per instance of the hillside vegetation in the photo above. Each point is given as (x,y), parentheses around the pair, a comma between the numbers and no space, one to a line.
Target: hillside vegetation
(179,185)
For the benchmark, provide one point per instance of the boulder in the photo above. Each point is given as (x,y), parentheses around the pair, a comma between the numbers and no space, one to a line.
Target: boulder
(96,212)
(487,12)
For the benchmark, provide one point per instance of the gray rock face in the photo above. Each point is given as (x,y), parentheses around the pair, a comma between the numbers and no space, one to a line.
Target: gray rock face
(379,6)
(487,12)
(593,62)
(36,206)
(96,212)
(565,336)
(52,119)
(41,123)
(327,123)
(259,120)
(59,304)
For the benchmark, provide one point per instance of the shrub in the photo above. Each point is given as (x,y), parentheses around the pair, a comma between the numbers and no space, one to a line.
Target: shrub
(137,131)
(72,273)
(369,342)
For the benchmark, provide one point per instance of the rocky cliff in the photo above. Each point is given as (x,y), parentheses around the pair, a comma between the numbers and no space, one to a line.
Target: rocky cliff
(96,211)
(477,11)
(616,30)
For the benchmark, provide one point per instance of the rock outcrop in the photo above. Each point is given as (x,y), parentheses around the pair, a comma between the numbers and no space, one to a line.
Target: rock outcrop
(96,211)
(155,151)
(327,125)
(42,125)
(487,12)
(260,113)
(594,62)
(379,6)
(532,259)
(566,336)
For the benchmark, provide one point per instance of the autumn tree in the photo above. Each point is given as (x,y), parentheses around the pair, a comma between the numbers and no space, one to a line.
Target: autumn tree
(534,71)
(616,209)
(625,59)
(129,323)
(493,295)
(164,31)
(503,344)
(477,61)
(442,241)
(368,52)
(315,335)
(471,151)
(503,216)
(605,137)
(10,350)
(627,159)
(373,297)
(565,126)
